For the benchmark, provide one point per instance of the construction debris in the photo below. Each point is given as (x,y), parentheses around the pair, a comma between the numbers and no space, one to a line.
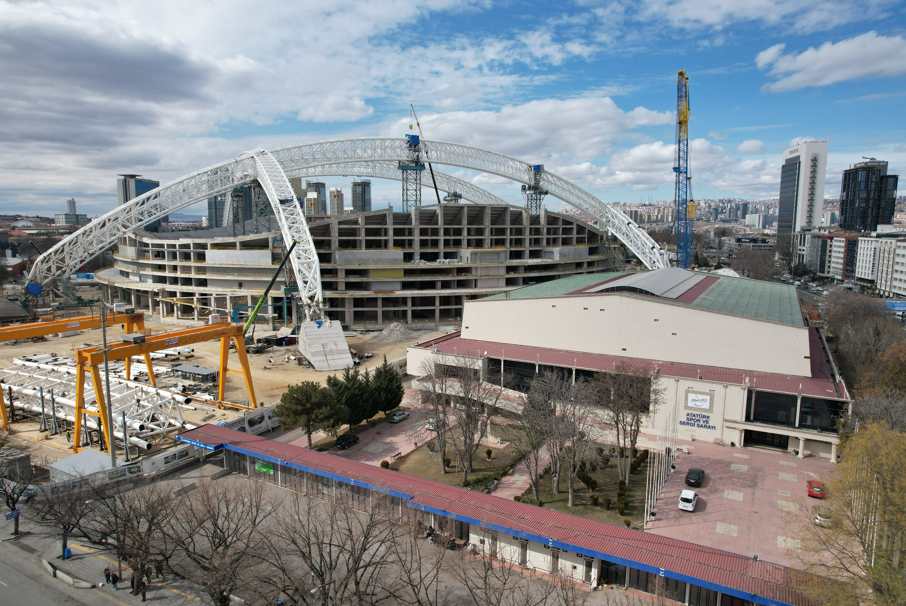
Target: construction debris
(396,332)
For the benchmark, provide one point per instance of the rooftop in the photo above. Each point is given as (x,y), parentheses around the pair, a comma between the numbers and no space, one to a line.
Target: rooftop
(743,297)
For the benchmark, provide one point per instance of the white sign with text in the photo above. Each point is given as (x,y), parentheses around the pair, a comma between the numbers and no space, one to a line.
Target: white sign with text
(698,400)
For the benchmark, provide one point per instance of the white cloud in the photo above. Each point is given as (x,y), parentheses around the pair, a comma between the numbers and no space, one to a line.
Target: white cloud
(864,57)
(751,146)
(334,109)
(716,134)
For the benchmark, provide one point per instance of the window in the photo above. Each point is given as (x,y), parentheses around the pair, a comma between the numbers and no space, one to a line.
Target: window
(774,408)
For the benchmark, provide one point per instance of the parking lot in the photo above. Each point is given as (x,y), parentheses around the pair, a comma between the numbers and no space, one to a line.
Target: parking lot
(745,501)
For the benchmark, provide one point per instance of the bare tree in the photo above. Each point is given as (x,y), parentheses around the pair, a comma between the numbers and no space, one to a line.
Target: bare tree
(416,567)
(64,506)
(437,381)
(324,552)
(627,396)
(457,396)
(758,265)
(491,582)
(547,390)
(130,520)
(15,484)
(530,434)
(216,532)
(572,424)
(886,406)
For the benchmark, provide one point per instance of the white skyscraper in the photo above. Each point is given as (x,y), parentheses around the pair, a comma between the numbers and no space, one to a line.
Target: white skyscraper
(335,198)
(802,187)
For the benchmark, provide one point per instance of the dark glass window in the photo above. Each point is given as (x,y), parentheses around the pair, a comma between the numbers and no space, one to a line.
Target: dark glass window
(613,574)
(775,408)
(699,596)
(643,581)
(821,414)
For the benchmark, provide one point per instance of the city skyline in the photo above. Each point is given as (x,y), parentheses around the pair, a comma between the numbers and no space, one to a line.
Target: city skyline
(587,89)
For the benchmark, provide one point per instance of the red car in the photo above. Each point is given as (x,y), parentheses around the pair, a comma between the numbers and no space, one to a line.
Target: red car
(815,489)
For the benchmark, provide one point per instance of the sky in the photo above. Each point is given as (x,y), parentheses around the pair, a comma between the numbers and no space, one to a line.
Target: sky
(92,89)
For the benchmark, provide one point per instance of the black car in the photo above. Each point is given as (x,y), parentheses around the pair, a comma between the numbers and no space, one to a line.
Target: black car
(346,440)
(695,477)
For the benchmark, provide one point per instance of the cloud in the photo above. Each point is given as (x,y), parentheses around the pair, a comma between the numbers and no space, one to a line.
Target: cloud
(864,57)
(716,134)
(751,146)
(333,108)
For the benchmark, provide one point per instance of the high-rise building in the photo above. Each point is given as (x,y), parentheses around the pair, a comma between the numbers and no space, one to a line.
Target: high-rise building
(321,189)
(801,192)
(361,195)
(215,210)
(70,217)
(868,196)
(312,204)
(336,200)
(715,212)
(133,186)
(71,206)
(743,210)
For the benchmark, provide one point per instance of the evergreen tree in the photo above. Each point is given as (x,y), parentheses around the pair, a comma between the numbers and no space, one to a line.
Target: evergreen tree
(353,392)
(309,406)
(387,387)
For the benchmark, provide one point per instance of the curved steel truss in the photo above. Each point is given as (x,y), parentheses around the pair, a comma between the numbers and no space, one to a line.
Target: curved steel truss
(271,168)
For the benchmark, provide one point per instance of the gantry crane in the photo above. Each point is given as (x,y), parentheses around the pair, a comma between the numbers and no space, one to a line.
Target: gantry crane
(132,322)
(685,205)
(90,359)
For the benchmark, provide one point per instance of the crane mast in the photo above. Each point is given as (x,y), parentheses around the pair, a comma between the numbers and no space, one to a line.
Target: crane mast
(685,205)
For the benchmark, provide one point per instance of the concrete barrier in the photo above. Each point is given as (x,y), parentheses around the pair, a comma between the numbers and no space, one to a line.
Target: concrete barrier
(184,489)
(219,474)
(65,577)
(49,567)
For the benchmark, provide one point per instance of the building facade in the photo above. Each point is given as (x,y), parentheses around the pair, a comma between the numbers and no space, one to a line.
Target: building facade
(377,268)
(801,189)
(129,187)
(319,188)
(335,197)
(868,196)
(843,252)
(361,196)
(751,244)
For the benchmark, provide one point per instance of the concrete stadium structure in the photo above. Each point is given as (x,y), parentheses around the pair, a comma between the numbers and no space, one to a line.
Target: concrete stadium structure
(736,360)
(376,268)
(272,169)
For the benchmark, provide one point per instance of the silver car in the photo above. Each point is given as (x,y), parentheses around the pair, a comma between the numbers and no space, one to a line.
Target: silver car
(396,417)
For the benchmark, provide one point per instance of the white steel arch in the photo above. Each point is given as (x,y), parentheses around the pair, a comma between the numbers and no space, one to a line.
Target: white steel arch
(73,251)
(384,169)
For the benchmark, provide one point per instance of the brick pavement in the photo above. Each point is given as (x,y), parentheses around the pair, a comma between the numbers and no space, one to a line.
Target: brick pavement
(746,503)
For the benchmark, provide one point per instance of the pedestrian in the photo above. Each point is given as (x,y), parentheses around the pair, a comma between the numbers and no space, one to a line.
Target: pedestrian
(148,573)
(132,583)
(142,588)
(159,569)
(114,579)
(107,574)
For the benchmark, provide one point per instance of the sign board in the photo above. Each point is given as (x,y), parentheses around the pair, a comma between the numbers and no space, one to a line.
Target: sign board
(73,325)
(264,467)
(13,514)
(171,342)
(896,306)
(194,443)
(698,400)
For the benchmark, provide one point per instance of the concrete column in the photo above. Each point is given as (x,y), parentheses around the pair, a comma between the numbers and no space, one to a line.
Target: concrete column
(436,311)
(834,454)
(132,292)
(270,317)
(150,303)
(801,448)
(416,235)
(408,310)
(195,301)
(798,408)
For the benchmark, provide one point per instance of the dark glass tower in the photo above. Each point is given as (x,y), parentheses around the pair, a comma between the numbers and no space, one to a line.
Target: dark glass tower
(868,196)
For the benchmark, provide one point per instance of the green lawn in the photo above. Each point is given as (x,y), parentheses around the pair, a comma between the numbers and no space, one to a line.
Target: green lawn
(422,463)
(607,487)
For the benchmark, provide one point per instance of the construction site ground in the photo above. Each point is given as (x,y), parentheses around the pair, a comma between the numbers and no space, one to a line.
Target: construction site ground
(271,372)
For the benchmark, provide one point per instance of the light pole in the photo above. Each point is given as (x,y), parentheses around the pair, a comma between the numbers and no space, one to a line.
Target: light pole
(109,403)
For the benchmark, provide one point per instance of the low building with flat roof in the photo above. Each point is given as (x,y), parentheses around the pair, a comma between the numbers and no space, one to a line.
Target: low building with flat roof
(736,359)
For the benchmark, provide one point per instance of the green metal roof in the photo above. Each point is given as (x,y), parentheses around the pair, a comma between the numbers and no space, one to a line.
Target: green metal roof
(752,299)
(558,287)
(756,299)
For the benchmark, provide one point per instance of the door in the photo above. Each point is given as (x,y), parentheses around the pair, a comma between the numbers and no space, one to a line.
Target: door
(555,561)
(588,567)
(493,552)
(523,553)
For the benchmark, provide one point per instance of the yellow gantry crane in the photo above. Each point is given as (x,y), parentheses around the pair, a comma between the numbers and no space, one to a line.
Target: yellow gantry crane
(89,360)
(132,322)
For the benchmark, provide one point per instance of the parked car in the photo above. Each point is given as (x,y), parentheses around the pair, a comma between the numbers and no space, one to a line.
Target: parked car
(695,477)
(688,500)
(815,489)
(821,515)
(347,440)
(396,417)
(432,424)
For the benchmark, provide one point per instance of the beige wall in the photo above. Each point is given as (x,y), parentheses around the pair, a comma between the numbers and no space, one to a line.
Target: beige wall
(572,565)
(630,326)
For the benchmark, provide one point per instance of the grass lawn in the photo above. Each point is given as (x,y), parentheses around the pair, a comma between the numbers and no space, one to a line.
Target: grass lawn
(607,487)
(422,463)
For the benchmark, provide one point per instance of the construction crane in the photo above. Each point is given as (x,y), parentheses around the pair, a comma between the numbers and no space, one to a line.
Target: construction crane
(132,322)
(685,205)
(90,359)
(534,193)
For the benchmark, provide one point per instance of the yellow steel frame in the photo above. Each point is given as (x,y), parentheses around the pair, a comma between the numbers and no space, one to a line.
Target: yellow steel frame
(90,359)
(132,323)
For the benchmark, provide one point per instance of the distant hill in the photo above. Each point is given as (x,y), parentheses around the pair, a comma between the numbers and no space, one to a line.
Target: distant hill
(179,217)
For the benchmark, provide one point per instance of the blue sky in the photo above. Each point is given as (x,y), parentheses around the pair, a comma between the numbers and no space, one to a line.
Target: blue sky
(587,88)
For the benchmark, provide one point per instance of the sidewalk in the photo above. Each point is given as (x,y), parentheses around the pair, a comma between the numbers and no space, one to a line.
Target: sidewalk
(87,564)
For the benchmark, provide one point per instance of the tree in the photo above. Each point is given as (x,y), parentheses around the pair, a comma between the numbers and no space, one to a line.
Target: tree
(864,548)
(64,506)
(532,423)
(310,406)
(217,532)
(387,387)
(436,383)
(890,370)
(786,250)
(571,424)
(353,392)
(327,553)
(416,566)
(15,482)
(758,265)
(627,396)
(885,406)
(130,520)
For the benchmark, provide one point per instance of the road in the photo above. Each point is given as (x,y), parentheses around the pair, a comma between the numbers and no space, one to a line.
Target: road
(23,580)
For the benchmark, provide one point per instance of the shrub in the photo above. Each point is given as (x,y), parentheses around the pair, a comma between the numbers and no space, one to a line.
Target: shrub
(621,508)
(605,460)
(593,485)
(607,503)
(583,465)
(635,453)
(594,500)
(593,467)
(628,522)
(529,501)
(385,464)
(447,461)
(633,467)
(540,503)
(622,483)
(489,452)
(517,498)
(623,500)
(600,451)
(622,491)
